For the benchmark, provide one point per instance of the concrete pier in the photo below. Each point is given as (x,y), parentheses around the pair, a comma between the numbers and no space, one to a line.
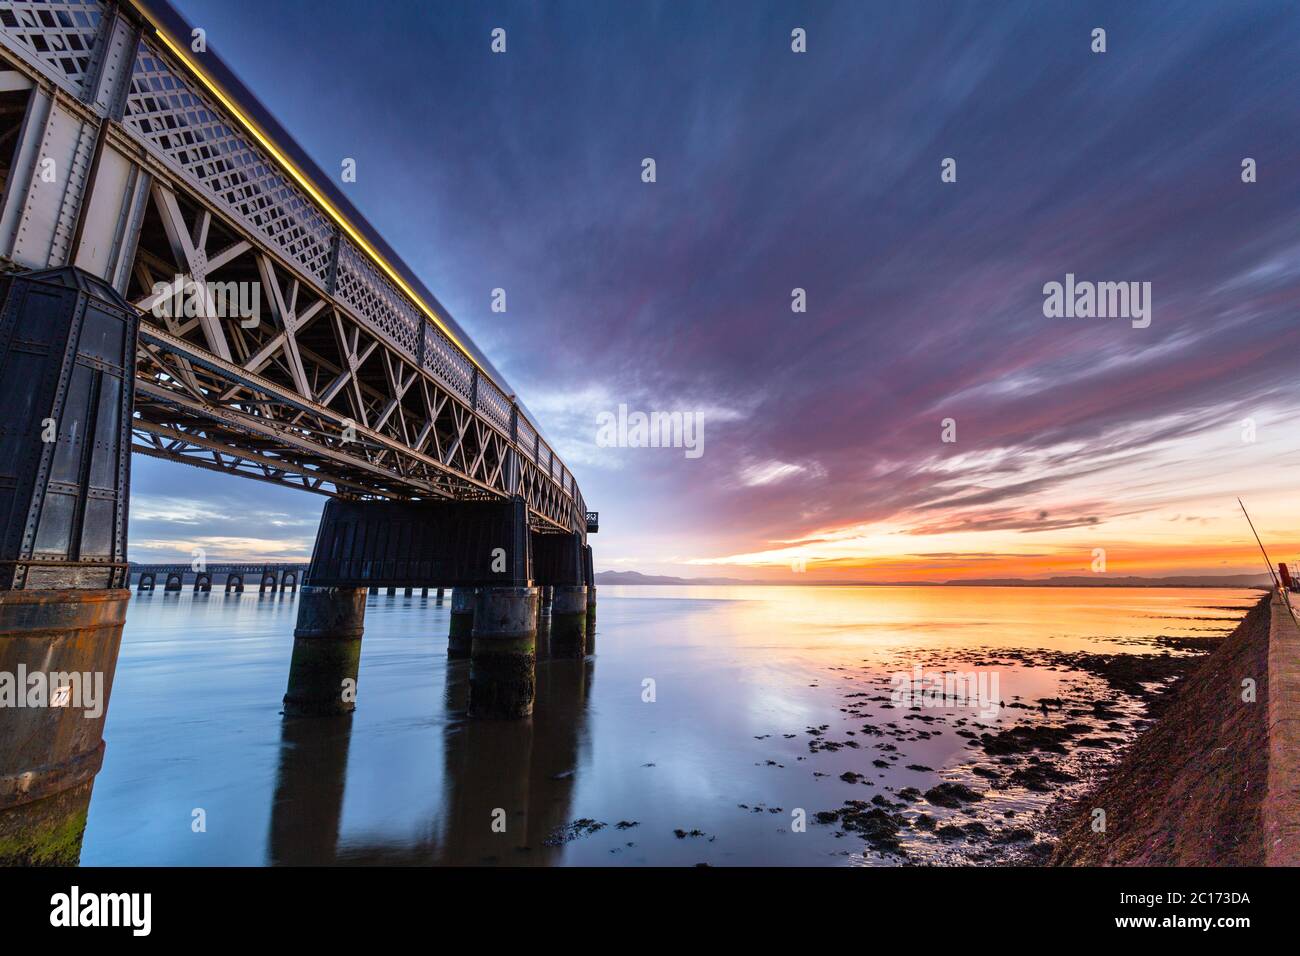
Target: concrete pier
(569,621)
(326,652)
(461,631)
(591,609)
(547,594)
(503,655)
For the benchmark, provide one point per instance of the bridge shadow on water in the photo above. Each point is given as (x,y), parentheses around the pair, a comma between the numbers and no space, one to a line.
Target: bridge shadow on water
(516,774)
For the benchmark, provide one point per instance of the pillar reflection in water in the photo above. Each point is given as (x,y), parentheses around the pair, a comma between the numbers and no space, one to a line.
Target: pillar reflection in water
(526,768)
(309,787)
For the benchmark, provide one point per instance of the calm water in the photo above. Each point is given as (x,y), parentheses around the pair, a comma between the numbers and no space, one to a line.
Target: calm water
(748,683)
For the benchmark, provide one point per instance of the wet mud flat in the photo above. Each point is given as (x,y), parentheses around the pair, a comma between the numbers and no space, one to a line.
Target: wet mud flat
(1016,781)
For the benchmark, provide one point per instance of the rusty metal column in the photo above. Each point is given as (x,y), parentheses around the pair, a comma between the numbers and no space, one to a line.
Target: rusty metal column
(67,372)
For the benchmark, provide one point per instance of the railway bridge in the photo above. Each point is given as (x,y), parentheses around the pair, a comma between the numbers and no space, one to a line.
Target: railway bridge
(179,280)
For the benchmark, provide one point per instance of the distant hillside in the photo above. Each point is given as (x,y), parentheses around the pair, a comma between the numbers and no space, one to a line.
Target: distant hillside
(1130,581)
(636,577)
(1080,581)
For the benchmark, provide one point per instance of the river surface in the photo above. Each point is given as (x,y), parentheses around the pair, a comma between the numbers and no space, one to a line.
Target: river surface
(707,725)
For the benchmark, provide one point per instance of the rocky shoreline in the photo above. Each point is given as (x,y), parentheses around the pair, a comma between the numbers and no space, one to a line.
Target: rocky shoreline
(1026,792)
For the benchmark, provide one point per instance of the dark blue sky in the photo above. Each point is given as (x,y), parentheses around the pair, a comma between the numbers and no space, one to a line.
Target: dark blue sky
(821,170)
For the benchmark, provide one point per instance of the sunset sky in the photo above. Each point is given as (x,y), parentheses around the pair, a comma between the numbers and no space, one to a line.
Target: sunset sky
(821,171)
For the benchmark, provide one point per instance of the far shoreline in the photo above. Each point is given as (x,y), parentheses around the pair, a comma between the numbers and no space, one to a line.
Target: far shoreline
(1230,582)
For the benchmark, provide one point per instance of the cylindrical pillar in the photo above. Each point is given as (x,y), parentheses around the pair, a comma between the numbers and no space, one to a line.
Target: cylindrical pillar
(591,607)
(438,596)
(569,621)
(503,656)
(60,650)
(461,632)
(326,652)
(547,594)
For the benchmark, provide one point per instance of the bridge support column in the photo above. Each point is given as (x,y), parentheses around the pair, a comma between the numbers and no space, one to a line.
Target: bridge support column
(461,632)
(50,753)
(326,652)
(589,576)
(67,375)
(502,677)
(547,593)
(569,621)
(438,598)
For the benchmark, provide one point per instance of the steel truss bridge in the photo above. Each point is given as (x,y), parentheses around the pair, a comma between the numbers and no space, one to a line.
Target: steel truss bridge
(273,577)
(129,155)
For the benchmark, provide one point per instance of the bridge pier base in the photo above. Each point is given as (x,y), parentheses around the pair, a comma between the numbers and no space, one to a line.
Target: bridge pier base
(326,652)
(569,621)
(67,380)
(50,752)
(502,677)
(460,634)
(547,594)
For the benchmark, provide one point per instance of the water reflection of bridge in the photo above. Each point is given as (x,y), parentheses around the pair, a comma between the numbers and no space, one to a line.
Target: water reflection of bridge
(528,769)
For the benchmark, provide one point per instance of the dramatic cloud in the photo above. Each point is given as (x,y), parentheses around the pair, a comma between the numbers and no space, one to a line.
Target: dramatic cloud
(821,172)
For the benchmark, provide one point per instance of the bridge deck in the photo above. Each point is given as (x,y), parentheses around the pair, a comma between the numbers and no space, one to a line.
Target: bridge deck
(349,378)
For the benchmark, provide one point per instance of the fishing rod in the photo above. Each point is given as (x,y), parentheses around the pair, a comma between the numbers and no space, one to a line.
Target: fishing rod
(1267,561)
(1286,599)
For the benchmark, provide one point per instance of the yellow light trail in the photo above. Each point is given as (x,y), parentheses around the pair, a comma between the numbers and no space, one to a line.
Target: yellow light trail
(305,182)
